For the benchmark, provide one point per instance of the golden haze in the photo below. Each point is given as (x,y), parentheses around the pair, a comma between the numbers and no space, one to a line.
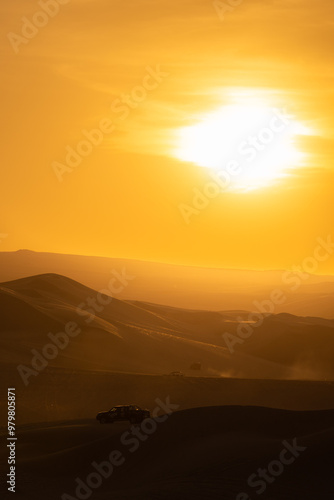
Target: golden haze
(123,199)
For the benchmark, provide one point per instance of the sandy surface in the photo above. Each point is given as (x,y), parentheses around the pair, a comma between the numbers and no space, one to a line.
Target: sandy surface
(203,453)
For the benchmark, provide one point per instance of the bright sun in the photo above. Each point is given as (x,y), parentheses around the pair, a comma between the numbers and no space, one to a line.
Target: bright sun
(249,138)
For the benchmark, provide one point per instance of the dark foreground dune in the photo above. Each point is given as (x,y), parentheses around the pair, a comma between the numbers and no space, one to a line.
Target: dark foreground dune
(202,453)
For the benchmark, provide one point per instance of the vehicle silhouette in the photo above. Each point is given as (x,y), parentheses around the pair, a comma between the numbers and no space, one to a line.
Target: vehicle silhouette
(133,413)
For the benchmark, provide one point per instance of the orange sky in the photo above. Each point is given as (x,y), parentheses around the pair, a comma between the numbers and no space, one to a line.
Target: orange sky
(124,198)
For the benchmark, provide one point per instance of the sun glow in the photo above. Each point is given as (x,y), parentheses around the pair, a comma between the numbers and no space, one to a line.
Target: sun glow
(254,141)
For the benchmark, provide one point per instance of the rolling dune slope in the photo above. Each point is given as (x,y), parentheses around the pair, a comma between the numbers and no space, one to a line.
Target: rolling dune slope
(181,286)
(125,351)
(114,335)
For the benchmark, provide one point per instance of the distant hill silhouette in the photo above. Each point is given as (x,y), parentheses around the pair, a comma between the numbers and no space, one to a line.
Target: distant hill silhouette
(180,286)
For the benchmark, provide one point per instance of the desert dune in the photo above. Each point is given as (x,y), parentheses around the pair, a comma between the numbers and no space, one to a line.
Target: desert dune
(183,286)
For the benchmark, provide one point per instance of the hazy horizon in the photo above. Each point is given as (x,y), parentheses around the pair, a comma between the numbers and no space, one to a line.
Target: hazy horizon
(176,264)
